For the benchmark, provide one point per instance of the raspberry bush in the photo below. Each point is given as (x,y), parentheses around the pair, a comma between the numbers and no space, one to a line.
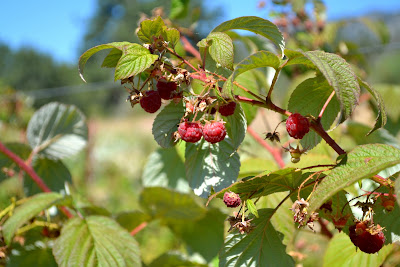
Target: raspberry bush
(210,155)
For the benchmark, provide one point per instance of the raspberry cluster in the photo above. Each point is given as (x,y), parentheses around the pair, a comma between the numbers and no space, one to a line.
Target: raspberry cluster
(192,132)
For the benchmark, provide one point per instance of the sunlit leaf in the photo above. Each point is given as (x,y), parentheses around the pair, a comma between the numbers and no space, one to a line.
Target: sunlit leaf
(150,29)
(362,162)
(166,123)
(211,166)
(57,130)
(236,126)
(165,168)
(382,117)
(27,211)
(257,25)
(53,173)
(90,52)
(169,205)
(261,247)
(95,241)
(339,75)
(133,61)
(111,60)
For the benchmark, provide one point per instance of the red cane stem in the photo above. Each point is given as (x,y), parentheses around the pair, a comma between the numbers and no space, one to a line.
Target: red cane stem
(275,153)
(31,172)
(189,47)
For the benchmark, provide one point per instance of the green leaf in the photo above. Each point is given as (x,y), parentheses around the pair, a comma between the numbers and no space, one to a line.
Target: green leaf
(168,205)
(339,75)
(362,162)
(236,126)
(257,60)
(151,28)
(174,259)
(287,179)
(111,60)
(251,207)
(172,36)
(133,61)
(261,247)
(53,173)
(165,168)
(250,80)
(95,241)
(90,52)
(257,25)
(131,219)
(254,166)
(57,131)
(179,9)
(358,132)
(382,117)
(297,57)
(26,256)
(388,220)
(308,99)
(204,236)
(350,256)
(27,211)
(281,217)
(211,166)
(166,123)
(220,46)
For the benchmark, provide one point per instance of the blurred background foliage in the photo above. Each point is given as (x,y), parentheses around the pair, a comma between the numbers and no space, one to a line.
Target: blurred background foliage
(109,171)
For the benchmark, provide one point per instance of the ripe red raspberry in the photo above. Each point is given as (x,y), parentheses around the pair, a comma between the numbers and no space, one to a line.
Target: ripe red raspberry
(231,199)
(165,89)
(190,131)
(214,132)
(227,109)
(150,101)
(297,126)
(369,239)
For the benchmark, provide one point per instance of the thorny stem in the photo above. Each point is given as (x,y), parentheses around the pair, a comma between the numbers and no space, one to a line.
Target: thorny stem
(31,172)
(326,104)
(274,152)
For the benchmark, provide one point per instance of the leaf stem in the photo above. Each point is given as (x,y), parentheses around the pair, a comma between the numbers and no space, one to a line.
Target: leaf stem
(138,228)
(326,104)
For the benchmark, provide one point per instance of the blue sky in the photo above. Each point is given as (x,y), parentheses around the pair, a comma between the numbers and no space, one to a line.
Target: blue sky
(56,27)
